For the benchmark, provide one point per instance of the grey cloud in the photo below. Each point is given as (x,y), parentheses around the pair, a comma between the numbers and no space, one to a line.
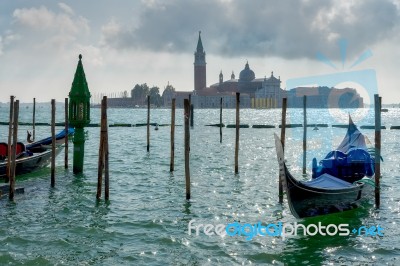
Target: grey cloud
(288,29)
(1,45)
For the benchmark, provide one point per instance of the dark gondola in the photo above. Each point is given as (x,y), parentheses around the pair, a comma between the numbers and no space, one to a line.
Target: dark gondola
(32,156)
(326,194)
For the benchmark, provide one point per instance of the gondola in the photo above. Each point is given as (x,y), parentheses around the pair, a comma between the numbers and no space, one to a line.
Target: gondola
(32,156)
(327,193)
(32,162)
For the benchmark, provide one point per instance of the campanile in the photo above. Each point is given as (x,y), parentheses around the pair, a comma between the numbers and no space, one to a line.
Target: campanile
(199,66)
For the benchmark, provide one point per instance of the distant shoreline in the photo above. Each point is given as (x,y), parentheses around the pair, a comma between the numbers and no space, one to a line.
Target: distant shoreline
(29,104)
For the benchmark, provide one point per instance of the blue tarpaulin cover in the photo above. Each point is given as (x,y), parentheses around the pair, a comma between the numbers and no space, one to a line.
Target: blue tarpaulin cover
(47,141)
(351,161)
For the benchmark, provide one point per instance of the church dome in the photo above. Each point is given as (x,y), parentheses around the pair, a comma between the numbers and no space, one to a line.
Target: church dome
(246,74)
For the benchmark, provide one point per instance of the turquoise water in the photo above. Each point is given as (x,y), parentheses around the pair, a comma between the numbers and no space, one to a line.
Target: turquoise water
(146,219)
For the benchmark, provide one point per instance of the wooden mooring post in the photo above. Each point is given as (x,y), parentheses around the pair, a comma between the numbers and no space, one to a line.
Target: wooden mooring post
(237,133)
(33,119)
(187,147)
(10,127)
(304,134)
(53,142)
(190,103)
(148,123)
(14,149)
(66,135)
(100,164)
(378,105)
(103,153)
(172,161)
(106,160)
(220,121)
(191,114)
(283,136)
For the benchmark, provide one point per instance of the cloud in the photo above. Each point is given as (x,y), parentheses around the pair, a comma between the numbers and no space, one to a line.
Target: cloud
(287,29)
(1,45)
(43,19)
(8,39)
(111,34)
(67,9)
(47,29)
(36,18)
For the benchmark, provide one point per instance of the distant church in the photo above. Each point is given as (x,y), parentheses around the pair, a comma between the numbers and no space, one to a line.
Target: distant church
(254,92)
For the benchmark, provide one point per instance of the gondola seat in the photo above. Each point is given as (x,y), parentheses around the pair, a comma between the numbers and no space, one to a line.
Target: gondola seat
(19,152)
(3,150)
(20,148)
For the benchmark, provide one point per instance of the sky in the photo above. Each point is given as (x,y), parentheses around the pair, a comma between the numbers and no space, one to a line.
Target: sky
(125,42)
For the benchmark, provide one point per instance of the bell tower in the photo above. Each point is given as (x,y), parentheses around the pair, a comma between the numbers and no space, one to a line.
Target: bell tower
(199,66)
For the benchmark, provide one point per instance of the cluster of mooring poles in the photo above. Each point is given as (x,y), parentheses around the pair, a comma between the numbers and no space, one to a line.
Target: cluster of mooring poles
(188,119)
(378,127)
(188,112)
(13,145)
(77,115)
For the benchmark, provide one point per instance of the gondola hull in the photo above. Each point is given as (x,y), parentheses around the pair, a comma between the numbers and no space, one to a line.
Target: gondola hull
(308,201)
(31,163)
